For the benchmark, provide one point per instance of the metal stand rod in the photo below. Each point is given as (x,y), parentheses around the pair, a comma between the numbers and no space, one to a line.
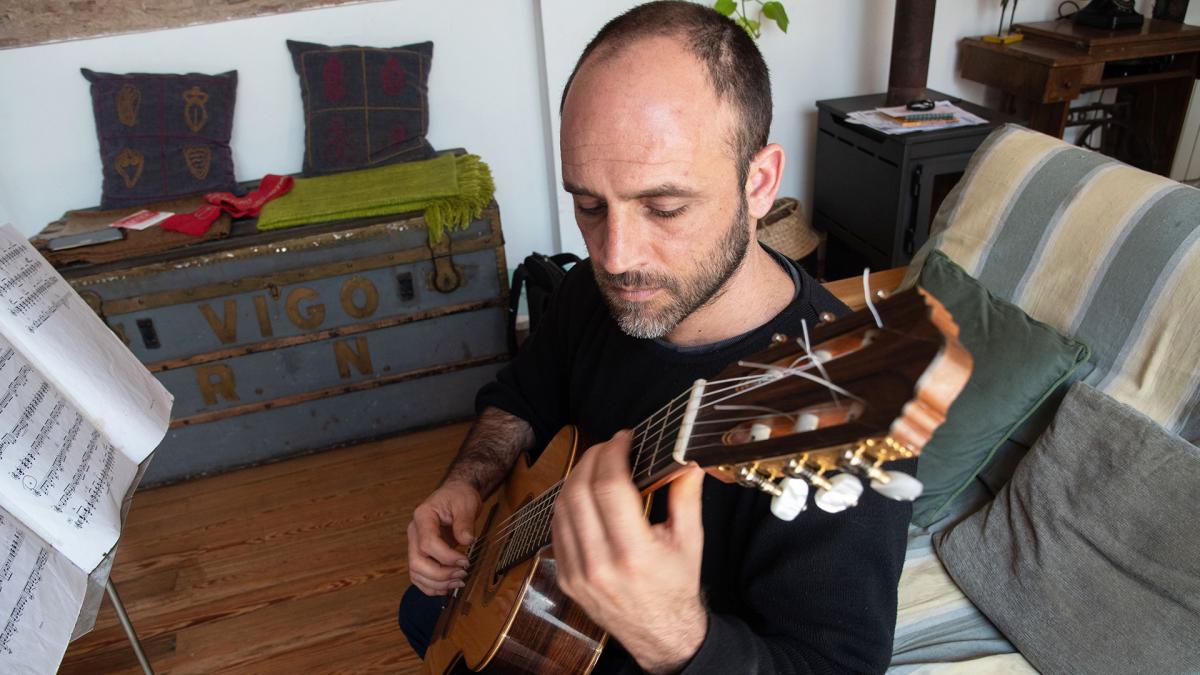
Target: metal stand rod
(129,631)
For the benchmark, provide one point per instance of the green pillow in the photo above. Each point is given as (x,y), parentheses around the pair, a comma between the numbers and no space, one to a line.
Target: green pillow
(1019,362)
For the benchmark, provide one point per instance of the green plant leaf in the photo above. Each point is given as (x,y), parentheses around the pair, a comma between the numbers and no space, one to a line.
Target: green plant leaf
(750,25)
(725,7)
(774,10)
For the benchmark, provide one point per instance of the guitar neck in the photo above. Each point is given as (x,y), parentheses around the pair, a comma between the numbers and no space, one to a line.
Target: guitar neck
(826,410)
(659,442)
(656,443)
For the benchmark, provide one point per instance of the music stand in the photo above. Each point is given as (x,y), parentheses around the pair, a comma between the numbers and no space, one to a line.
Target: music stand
(128,626)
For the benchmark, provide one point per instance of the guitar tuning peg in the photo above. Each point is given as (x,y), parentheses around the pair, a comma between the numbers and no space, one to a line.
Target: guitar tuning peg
(792,499)
(748,476)
(760,431)
(843,492)
(898,486)
(805,422)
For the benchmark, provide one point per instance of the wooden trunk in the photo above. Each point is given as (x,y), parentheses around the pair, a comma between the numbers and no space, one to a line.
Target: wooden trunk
(289,341)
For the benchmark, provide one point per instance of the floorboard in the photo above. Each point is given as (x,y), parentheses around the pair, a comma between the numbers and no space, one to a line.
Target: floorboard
(293,567)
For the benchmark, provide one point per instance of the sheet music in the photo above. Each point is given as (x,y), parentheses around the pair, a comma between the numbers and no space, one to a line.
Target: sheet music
(79,415)
(49,323)
(40,595)
(58,474)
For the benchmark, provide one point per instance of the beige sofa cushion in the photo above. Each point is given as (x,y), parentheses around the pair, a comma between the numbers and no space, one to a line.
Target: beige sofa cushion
(1099,250)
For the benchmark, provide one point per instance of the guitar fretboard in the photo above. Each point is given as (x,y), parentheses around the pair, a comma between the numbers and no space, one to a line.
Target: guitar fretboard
(651,458)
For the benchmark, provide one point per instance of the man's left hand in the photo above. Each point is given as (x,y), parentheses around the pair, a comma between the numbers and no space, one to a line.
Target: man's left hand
(638,581)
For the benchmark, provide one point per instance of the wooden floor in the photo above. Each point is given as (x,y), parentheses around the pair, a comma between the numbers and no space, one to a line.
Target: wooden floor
(294,567)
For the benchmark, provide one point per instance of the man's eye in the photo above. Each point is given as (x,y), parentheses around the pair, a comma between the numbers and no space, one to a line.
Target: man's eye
(590,210)
(659,213)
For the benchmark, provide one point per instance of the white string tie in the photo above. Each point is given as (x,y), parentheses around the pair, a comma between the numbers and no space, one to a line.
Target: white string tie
(775,373)
(807,345)
(867,297)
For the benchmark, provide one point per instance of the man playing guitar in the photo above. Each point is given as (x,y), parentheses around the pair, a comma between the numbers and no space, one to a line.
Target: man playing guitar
(664,148)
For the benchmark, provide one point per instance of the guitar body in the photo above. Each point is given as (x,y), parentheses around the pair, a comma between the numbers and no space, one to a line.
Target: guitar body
(518,621)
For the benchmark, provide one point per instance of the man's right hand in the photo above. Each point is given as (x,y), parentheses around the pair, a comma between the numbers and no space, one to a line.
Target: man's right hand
(445,519)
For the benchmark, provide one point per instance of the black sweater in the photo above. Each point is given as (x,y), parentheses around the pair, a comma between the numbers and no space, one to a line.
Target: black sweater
(815,595)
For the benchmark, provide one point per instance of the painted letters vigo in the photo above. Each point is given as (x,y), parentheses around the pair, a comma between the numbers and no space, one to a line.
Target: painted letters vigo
(304,308)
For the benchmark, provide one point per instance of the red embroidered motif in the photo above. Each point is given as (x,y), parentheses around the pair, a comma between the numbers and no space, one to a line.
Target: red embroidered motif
(337,142)
(334,79)
(392,77)
(399,134)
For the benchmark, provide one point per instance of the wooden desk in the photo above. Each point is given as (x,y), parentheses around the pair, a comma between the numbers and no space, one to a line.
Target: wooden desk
(1058,61)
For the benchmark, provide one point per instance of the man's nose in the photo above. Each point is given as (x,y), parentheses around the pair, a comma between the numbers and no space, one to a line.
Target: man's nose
(622,247)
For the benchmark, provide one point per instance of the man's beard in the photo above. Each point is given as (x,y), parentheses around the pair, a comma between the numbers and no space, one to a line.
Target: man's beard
(684,296)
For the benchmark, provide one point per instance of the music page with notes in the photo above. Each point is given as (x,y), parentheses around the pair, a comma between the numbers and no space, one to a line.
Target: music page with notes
(79,415)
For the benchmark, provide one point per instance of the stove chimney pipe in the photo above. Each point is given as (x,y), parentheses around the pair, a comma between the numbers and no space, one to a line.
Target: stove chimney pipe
(911,37)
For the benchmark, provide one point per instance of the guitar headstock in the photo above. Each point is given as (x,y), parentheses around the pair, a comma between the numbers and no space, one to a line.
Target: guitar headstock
(827,411)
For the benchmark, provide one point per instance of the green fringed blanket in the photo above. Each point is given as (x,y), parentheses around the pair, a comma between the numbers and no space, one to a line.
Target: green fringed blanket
(451,190)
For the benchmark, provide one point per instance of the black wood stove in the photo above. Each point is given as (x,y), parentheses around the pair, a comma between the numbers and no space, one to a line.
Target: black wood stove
(875,195)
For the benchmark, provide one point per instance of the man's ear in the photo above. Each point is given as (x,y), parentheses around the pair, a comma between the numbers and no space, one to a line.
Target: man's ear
(762,181)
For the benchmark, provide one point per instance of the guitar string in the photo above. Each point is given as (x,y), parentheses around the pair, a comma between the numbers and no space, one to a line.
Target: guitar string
(545,502)
(831,386)
(649,423)
(542,504)
(737,380)
(535,508)
(522,515)
(532,509)
(539,506)
(539,510)
(807,346)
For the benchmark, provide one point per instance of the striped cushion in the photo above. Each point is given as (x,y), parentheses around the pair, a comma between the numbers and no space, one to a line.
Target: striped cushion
(938,629)
(1101,251)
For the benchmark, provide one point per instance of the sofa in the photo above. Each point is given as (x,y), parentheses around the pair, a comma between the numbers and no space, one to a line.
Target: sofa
(1097,567)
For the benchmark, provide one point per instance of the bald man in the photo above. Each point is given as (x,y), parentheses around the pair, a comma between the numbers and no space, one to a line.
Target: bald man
(665,151)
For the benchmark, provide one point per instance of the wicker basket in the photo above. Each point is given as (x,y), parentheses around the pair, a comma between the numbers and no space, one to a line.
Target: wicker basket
(786,230)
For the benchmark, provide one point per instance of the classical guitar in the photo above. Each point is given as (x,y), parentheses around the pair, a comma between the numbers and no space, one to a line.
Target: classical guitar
(821,413)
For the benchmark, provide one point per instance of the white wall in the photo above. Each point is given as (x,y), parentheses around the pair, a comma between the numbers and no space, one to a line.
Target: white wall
(484,96)
(831,50)
(1187,155)
(491,90)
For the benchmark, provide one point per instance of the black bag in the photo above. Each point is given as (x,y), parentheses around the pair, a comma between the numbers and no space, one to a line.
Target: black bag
(540,275)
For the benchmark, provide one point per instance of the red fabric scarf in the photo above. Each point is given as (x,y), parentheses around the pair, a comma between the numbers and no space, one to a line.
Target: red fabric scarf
(197,222)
